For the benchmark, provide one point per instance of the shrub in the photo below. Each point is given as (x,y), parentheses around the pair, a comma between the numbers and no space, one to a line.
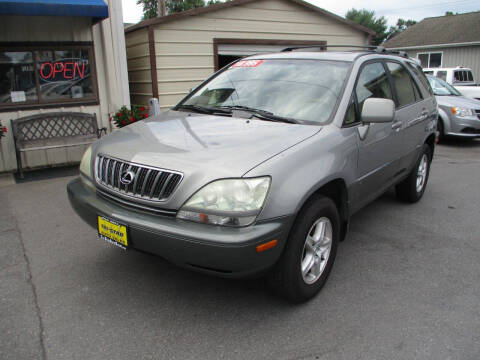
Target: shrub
(124,116)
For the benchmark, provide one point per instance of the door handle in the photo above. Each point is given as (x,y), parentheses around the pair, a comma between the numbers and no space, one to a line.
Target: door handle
(397,125)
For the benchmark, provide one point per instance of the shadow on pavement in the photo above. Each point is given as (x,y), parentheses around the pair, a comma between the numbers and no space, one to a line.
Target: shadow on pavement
(47,174)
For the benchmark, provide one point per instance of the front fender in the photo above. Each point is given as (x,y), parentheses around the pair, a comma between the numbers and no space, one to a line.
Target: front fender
(445,119)
(300,171)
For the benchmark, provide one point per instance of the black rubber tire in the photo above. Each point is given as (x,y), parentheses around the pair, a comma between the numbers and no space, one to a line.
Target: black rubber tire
(440,130)
(407,189)
(286,277)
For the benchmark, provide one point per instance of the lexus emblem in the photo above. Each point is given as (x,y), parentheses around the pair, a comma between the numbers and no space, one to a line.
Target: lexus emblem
(127,177)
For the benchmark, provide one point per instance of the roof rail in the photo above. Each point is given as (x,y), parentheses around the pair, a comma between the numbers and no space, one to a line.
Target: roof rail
(373,48)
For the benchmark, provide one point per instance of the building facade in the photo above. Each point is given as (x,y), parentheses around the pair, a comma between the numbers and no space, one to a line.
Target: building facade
(61,58)
(443,41)
(170,55)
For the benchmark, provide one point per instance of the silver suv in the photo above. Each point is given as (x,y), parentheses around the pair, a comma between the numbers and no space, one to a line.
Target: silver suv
(259,169)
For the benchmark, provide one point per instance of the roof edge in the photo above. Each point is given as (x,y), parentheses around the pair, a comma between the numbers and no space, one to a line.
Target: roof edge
(434,46)
(211,8)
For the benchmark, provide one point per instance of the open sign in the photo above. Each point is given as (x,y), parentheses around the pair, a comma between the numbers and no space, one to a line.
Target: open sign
(64,70)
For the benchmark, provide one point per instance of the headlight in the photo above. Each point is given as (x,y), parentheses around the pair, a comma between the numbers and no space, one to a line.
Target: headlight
(231,202)
(462,112)
(85,164)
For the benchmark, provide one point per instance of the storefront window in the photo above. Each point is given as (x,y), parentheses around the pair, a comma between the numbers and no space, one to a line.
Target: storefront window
(17,77)
(46,76)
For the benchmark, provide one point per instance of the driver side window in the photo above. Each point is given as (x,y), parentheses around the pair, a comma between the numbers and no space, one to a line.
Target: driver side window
(372,82)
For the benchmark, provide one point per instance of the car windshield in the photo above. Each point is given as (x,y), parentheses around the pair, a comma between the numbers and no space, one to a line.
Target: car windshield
(300,90)
(440,87)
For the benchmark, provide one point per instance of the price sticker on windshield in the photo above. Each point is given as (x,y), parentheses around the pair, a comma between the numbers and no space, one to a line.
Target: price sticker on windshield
(247,63)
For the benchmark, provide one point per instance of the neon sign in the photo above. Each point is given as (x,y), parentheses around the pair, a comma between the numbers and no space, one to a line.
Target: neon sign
(64,70)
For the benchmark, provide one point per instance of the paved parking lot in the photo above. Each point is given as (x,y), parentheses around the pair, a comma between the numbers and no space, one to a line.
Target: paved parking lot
(406,285)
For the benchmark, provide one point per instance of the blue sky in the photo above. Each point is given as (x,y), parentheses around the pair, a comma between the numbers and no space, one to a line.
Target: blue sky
(392,10)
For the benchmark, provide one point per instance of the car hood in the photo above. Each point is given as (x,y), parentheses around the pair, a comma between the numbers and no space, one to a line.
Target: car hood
(460,101)
(192,143)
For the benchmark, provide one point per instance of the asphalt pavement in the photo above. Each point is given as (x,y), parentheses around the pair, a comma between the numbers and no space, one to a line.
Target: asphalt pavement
(405,285)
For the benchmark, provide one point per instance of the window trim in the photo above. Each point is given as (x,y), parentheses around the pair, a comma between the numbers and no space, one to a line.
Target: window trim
(429,53)
(412,81)
(53,46)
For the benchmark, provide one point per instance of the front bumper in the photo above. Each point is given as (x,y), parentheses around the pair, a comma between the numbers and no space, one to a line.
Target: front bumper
(222,251)
(464,126)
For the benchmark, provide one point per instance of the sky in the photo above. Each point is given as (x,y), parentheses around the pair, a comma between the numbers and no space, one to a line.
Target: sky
(392,10)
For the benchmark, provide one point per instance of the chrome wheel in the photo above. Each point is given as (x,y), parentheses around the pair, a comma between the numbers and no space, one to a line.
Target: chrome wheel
(316,250)
(422,173)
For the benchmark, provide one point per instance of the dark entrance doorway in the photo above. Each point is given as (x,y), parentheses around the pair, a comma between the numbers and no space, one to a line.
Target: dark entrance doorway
(224,60)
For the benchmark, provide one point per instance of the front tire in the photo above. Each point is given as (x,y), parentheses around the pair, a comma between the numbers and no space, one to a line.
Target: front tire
(412,188)
(440,130)
(310,252)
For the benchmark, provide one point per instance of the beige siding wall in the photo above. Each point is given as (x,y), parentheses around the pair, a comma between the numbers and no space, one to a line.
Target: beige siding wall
(138,62)
(467,56)
(184,48)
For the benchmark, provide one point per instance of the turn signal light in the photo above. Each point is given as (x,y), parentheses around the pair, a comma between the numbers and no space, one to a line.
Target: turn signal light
(454,110)
(267,245)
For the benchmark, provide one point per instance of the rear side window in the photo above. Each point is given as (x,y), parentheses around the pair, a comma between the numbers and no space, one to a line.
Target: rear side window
(462,76)
(417,70)
(372,82)
(403,84)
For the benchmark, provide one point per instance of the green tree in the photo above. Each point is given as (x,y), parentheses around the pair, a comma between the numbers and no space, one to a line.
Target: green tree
(368,19)
(401,26)
(150,7)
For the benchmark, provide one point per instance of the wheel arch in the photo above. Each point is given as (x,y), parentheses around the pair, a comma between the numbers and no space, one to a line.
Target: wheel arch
(336,190)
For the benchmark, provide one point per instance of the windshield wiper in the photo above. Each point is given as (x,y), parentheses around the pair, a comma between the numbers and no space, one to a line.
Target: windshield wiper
(204,109)
(261,114)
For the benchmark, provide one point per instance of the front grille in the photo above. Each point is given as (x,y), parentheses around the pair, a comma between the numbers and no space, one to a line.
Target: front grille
(148,183)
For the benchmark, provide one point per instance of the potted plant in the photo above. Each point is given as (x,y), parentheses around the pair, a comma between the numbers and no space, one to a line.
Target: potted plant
(3,130)
(125,116)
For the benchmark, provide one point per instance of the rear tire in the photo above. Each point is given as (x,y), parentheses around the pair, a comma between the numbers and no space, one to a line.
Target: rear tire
(310,252)
(412,188)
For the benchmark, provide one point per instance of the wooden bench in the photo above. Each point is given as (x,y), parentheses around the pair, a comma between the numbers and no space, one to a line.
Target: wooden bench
(53,130)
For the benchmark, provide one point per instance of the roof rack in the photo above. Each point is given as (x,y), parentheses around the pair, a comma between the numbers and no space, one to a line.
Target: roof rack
(373,48)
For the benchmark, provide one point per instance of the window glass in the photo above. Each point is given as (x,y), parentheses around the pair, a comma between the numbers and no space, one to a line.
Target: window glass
(423,60)
(17,77)
(458,76)
(350,116)
(435,60)
(64,74)
(36,75)
(417,70)
(442,75)
(403,84)
(301,89)
(470,76)
(372,82)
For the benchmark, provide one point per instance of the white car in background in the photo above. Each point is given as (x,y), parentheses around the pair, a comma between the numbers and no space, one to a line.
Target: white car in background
(460,77)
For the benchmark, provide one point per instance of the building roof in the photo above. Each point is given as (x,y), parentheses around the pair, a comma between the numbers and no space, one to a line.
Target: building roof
(211,8)
(451,29)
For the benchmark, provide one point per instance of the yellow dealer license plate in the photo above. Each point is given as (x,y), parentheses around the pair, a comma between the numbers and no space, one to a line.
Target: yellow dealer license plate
(112,232)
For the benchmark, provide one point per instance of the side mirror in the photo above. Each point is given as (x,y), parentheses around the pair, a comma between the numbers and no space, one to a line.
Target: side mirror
(376,110)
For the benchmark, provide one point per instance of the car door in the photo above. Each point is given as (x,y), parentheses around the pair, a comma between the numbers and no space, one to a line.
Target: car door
(379,145)
(414,110)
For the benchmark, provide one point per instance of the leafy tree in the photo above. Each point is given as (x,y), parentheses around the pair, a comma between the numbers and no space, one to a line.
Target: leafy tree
(401,26)
(150,7)
(368,19)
